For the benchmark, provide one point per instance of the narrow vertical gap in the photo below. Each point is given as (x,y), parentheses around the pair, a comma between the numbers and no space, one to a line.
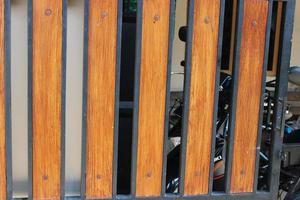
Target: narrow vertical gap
(19,96)
(124,154)
(126,97)
(74,97)
(176,99)
(225,93)
(237,21)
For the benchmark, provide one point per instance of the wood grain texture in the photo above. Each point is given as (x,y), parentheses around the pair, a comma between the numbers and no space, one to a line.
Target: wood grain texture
(2,107)
(248,95)
(232,39)
(201,105)
(101,97)
(277,39)
(153,78)
(46,88)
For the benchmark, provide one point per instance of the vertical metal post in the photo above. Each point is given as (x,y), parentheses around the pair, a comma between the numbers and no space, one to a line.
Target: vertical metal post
(187,83)
(236,64)
(84,99)
(117,97)
(167,105)
(30,150)
(263,86)
(7,83)
(281,94)
(216,97)
(63,99)
(138,47)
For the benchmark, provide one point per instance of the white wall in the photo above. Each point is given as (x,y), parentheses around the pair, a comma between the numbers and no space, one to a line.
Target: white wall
(178,46)
(74,95)
(295,60)
(19,95)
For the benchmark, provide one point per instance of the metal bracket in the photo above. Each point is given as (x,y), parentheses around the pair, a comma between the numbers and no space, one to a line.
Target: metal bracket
(283,155)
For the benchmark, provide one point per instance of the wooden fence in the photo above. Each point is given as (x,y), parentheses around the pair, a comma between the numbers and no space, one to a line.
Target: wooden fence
(155,33)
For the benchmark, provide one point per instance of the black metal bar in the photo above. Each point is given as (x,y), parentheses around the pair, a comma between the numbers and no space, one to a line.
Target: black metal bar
(281,94)
(186,97)
(216,96)
(63,97)
(214,196)
(126,105)
(289,147)
(30,150)
(236,64)
(138,50)
(7,83)
(167,103)
(269,112)
(117,97)
(84,99)
(203,197)
(263,86)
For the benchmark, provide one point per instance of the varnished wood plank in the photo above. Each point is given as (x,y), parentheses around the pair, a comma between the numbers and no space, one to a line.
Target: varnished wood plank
(277,39)
(232,42)
(101,97)
(248,95)
(46,99)
(153,76)
(2,107)
(201,105)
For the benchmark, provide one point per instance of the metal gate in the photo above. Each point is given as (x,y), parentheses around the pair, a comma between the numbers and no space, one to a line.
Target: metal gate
(102,57)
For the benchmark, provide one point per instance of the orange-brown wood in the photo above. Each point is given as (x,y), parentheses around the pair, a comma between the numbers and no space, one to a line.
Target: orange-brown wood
(153,76)
(233,30)
(201,105)
(101,97)
(46,99)
(277,39)
(248,95)
(2,107)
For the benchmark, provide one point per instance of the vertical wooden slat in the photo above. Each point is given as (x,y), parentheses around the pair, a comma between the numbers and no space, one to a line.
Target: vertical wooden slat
(277,37)
(232,39)
(2,107)
(102,41)
(153,78)
(248,95)
(201,104)
(46,99)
